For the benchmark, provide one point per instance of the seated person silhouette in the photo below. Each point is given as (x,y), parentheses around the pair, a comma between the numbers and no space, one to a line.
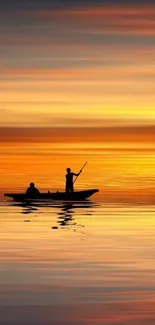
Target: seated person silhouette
(32,191)
(69,180)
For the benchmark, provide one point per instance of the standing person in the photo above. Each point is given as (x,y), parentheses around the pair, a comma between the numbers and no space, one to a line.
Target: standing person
(69,180)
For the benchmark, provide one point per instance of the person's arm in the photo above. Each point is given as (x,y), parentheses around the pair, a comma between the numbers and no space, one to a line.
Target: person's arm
(78,173)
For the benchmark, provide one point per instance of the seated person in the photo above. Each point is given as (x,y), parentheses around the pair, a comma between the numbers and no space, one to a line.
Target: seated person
(32,191)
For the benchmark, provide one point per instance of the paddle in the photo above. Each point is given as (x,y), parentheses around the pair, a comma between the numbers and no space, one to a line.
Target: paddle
(80,171)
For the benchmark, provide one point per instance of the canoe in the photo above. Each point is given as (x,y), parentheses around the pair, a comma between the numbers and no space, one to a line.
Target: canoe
(62,196)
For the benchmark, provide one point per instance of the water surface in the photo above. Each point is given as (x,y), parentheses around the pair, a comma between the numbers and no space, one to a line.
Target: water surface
(81,263)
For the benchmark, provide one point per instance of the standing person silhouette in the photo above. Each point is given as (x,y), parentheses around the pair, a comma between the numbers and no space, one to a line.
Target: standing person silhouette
(69,180)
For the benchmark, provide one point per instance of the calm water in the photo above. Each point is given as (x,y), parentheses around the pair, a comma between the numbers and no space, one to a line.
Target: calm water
(83,263)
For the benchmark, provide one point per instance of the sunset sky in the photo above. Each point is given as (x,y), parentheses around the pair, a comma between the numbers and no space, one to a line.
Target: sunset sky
(66,64)
(77,76)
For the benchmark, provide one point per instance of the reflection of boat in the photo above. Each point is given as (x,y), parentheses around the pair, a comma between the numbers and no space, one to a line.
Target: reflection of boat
(65,216)
(62,196)
(67,213)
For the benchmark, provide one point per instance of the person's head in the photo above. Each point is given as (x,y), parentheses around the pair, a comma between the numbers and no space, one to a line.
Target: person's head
(31,185)
(68,170)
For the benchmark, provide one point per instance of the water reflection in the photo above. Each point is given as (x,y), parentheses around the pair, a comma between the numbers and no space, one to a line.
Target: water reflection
(27,207)
(67,212)
(65,216)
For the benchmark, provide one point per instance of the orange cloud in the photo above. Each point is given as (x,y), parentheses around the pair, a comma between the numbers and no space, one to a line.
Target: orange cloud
(84,72)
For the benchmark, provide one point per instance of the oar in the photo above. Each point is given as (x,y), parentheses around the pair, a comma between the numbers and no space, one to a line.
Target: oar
(80,171)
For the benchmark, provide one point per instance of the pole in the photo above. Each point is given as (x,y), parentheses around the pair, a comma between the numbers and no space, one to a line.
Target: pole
(80,171)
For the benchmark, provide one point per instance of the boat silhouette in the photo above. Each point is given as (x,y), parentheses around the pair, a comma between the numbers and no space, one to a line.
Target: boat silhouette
(61,196)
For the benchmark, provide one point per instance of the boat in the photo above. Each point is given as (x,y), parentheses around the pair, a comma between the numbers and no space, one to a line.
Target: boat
(61,196)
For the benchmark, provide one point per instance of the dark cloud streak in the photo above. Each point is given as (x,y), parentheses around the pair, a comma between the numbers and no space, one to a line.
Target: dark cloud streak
(15,5)
(144,134)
